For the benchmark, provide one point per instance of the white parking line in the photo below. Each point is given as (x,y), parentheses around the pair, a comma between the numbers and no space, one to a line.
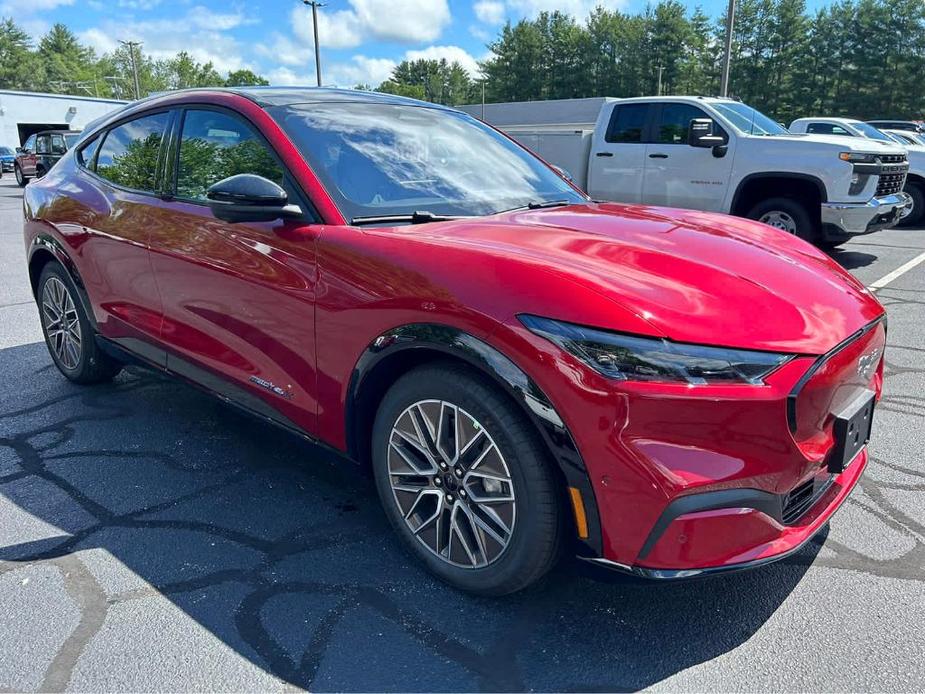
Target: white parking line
(897,273)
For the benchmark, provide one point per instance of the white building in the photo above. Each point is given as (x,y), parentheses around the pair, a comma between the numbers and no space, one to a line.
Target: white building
(24,113)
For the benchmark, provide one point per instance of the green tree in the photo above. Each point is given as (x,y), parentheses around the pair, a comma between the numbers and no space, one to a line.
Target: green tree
(19,65)
(244,78)
(68,66)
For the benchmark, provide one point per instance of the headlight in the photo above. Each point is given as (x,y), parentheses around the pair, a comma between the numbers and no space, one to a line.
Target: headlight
(858,157)
(628,357)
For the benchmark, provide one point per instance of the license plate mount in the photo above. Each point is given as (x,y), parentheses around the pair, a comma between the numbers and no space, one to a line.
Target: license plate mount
(852,431)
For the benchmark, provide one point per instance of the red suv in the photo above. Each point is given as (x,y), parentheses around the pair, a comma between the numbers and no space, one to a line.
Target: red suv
(524,370)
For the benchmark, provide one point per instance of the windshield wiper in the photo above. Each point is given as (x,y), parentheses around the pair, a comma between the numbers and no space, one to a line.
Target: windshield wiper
(540,205)
(416,217)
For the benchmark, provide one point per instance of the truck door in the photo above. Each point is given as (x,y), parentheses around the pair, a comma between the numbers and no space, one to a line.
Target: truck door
(618,154)
(678,175)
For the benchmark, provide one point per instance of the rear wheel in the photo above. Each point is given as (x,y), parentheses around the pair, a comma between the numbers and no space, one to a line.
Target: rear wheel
(68,332)
(20,179)
(917,192)
(465,481)
(786,214)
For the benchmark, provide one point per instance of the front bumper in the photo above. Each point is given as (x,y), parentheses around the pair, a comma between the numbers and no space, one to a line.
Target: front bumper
(866,217)
(704,532)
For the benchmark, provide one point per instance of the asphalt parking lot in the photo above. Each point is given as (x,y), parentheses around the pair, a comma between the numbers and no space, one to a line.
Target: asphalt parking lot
(153,539)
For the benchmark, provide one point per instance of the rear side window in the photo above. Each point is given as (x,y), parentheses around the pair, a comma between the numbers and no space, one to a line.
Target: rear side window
(826,129)
(216,145)
(130,152)
(627,123)
(86,153)
(41,145)
(57,144)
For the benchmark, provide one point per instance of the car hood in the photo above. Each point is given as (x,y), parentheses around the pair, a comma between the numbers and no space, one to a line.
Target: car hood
(846,143)
(690,276)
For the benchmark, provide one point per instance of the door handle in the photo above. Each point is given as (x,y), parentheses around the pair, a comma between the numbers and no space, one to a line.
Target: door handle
(604,154)
(658,156)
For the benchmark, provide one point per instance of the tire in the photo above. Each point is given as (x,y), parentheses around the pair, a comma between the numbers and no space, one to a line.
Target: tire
(73,350)
(502,440)
(917,192)
(39,171)
(20,179)
(786,214)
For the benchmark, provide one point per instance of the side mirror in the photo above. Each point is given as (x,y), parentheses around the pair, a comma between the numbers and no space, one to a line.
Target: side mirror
(700,134)
(563,172)
(250,198)
(21,150)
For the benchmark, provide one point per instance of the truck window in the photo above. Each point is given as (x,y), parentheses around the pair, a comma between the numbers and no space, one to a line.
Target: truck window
(627,123)
(675,121)
(826,129)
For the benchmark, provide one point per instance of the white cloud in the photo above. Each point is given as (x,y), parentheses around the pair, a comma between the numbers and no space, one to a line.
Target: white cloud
(30,7)
(489,11)
(450,53)
(282,49)
(577,8)
(200,32)
(359,70)
(404,21)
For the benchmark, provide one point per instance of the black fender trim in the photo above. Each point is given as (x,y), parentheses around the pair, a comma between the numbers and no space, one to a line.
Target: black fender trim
(499,368)
(48,243)
(806,178)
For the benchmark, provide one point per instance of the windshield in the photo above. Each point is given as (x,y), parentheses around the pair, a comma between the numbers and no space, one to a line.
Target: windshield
(5,151)
(748,120)
(870,131)
(385,159)
(71,139)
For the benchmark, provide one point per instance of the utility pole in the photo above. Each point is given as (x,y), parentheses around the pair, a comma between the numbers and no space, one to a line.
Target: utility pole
(660,71)
(131,47)
(727,57)
(315,5)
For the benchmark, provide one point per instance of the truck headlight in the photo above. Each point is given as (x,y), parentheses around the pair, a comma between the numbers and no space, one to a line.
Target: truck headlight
(858,157)
(629,357)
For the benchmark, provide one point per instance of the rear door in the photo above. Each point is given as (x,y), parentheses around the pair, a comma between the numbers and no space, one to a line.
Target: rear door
(678,175)
(239,298)
(57,148)
(618,154)
(116,207)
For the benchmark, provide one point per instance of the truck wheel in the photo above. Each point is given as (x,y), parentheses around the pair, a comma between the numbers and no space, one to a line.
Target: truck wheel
(465,481)
(68,333)
(787,215)
(917,194)
(20,179)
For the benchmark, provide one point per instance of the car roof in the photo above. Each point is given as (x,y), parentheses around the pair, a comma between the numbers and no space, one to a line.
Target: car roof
(58,131)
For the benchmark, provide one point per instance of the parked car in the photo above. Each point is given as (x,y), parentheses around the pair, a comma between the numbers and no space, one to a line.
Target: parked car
(915,126)
(662,392)
(40,152)
(914,185)
(722,155)
(7,156)
(906,137)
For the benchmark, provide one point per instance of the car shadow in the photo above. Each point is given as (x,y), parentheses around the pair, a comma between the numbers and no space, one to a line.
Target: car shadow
(152,491)
(851,259)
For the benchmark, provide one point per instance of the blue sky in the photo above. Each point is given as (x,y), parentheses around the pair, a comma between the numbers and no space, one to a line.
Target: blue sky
(361,40)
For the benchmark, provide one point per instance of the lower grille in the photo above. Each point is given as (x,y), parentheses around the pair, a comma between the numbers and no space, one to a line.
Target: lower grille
(801,498)
(890,184)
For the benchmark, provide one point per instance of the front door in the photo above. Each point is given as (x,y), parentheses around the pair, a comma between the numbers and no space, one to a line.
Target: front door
(678,175)
(27,157)
(239,298)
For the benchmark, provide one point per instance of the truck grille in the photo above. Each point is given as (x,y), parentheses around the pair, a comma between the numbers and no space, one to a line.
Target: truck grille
(893,168)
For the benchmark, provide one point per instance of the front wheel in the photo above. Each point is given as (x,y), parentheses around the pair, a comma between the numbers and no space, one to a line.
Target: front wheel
(786,214)
(917,193)
(20,179)
(68,333)
(465,481)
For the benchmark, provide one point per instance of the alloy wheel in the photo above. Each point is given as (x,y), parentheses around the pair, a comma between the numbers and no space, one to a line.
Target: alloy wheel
(451,484)
(19,177)
(779,220)
(62,323)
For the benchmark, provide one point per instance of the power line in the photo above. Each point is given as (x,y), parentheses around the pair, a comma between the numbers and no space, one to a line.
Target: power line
(315,5)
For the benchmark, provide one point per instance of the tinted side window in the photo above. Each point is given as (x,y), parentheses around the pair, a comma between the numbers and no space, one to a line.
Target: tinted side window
(129,153)
(29,144)
(57,144)
(85,153)
(627,123)
(41,144)
(826,129)
(675,121)
(216,145)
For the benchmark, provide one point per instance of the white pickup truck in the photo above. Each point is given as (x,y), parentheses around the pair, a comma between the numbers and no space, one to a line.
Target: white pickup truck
(714,154)
(849,127)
